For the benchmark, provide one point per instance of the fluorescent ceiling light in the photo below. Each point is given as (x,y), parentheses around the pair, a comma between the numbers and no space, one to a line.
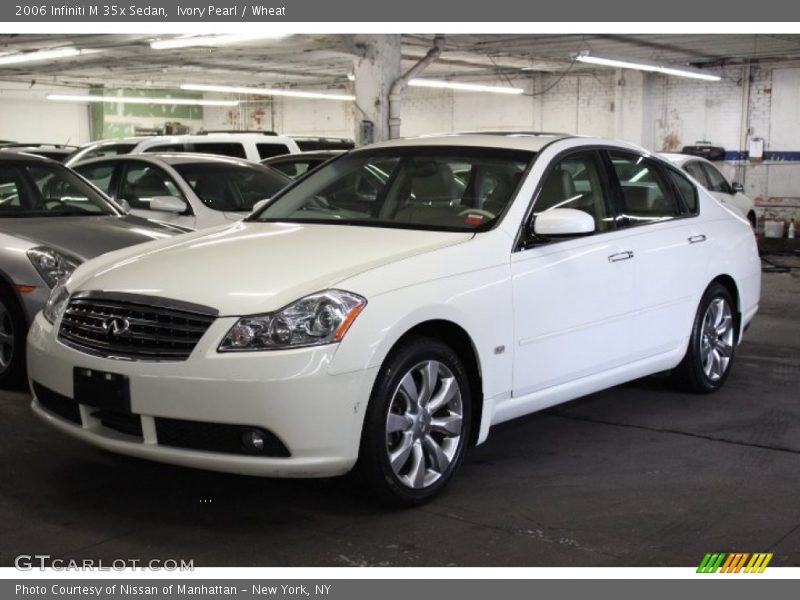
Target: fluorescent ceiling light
(23,57)
(464,87)
(645,65)
(141,100)
(230,89)
(187,41)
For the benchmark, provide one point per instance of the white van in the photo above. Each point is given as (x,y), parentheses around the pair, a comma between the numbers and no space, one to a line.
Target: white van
(254,147)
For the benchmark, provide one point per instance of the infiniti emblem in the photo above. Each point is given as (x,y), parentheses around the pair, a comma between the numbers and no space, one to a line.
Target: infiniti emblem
(116,327)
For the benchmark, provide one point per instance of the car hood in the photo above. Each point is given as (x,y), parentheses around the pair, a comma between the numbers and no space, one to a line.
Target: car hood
(251,268)
(86,237)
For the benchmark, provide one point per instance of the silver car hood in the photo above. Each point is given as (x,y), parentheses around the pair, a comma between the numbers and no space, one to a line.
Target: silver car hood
(86,237)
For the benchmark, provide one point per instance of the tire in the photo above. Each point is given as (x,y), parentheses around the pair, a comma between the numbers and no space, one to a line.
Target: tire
(712,344)
(425,430)
(12,340)
(751,216)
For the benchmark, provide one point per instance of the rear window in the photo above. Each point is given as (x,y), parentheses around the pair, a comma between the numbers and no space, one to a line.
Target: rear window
(109,150)
(270,150)
(686,189)
(233,149)
(167,148)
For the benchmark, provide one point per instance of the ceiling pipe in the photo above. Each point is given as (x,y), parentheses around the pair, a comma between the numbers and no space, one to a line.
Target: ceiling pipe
(400,84)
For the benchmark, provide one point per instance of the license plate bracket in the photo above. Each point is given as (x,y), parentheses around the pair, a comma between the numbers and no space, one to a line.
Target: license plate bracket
(101,389)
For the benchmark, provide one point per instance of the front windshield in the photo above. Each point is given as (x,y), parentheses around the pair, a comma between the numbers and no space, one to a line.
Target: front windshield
(449,189)
(231,187)
(45,190)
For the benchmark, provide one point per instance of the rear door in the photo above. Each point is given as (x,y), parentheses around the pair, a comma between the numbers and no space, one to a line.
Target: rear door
(670,245)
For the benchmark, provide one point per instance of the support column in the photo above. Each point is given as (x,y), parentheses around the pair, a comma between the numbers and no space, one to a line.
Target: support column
(375,69)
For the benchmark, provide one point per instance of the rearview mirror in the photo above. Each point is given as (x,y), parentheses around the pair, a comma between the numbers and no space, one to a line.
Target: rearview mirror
(563,222)
(167,204)
(737,187)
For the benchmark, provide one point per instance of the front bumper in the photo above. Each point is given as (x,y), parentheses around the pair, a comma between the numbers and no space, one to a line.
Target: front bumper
(317,416)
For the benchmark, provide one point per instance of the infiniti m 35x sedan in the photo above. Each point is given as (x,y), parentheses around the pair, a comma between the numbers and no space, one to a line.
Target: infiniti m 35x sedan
(486,278)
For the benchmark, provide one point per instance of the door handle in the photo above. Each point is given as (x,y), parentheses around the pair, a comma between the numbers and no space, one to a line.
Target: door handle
(696,239)
(627,255)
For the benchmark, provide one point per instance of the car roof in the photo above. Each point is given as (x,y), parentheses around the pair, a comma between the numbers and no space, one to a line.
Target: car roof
(192,137)
(173,158)
(530,142)
(679,159)
(299,156)
(12,155)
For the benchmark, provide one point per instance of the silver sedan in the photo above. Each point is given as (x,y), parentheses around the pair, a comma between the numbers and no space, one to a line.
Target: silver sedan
(51,220)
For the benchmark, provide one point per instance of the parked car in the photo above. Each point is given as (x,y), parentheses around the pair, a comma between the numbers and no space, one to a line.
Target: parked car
(249,146)
(707,175)
(190,190)
(329,331)
(103,149)
(57,152)
(295,165)
(51,220)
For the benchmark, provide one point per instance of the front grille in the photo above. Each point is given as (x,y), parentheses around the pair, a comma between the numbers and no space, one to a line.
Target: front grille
(131,326)
(124,422)
(215,437)
(57,403)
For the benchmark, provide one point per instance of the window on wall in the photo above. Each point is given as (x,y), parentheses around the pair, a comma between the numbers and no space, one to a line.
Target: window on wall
(647,196)
(575,182)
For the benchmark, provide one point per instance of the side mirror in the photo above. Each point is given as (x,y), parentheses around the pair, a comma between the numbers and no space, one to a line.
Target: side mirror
(737,187)
(260,204)
(563,222)
(167,204)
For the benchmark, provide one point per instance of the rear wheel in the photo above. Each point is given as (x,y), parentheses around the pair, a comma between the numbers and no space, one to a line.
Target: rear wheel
(712,343)
(12,340)
(417,423)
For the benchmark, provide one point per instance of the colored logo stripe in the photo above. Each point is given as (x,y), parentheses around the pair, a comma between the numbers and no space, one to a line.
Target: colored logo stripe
(735,562)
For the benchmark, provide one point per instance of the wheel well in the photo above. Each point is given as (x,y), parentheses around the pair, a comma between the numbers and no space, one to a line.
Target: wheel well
(729,284)
(461,343)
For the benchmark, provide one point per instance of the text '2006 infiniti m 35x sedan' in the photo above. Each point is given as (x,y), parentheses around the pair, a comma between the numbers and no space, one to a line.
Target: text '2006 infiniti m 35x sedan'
(386,331)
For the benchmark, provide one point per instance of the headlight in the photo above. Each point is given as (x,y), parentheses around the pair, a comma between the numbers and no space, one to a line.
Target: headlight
(51,264)
(321,318)
(56,303)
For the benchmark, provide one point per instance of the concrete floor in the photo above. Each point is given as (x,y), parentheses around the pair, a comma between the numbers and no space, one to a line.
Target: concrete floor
(634,476)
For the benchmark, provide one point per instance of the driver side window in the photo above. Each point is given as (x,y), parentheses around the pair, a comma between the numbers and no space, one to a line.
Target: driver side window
(575,183)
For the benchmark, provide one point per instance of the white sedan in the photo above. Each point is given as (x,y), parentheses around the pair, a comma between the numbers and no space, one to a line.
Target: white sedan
(388,332)
(707,175)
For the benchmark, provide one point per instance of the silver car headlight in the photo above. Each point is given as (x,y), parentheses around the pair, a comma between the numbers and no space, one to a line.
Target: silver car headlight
(321,318)
(56,303)
(52,265)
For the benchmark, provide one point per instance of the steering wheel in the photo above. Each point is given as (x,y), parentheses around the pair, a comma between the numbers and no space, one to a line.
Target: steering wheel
(477,211)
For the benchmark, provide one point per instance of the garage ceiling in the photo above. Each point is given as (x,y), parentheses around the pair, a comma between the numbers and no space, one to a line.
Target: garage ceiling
(325,60)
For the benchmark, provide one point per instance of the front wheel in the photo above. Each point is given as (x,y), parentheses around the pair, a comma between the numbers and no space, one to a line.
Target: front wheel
(12,341)
(417,423)
(712,344)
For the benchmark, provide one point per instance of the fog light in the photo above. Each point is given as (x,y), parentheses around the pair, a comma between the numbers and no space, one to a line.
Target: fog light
(253,440)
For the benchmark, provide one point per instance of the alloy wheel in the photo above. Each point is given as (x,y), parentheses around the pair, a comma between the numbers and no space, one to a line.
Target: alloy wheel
(717,339)
(424,424)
